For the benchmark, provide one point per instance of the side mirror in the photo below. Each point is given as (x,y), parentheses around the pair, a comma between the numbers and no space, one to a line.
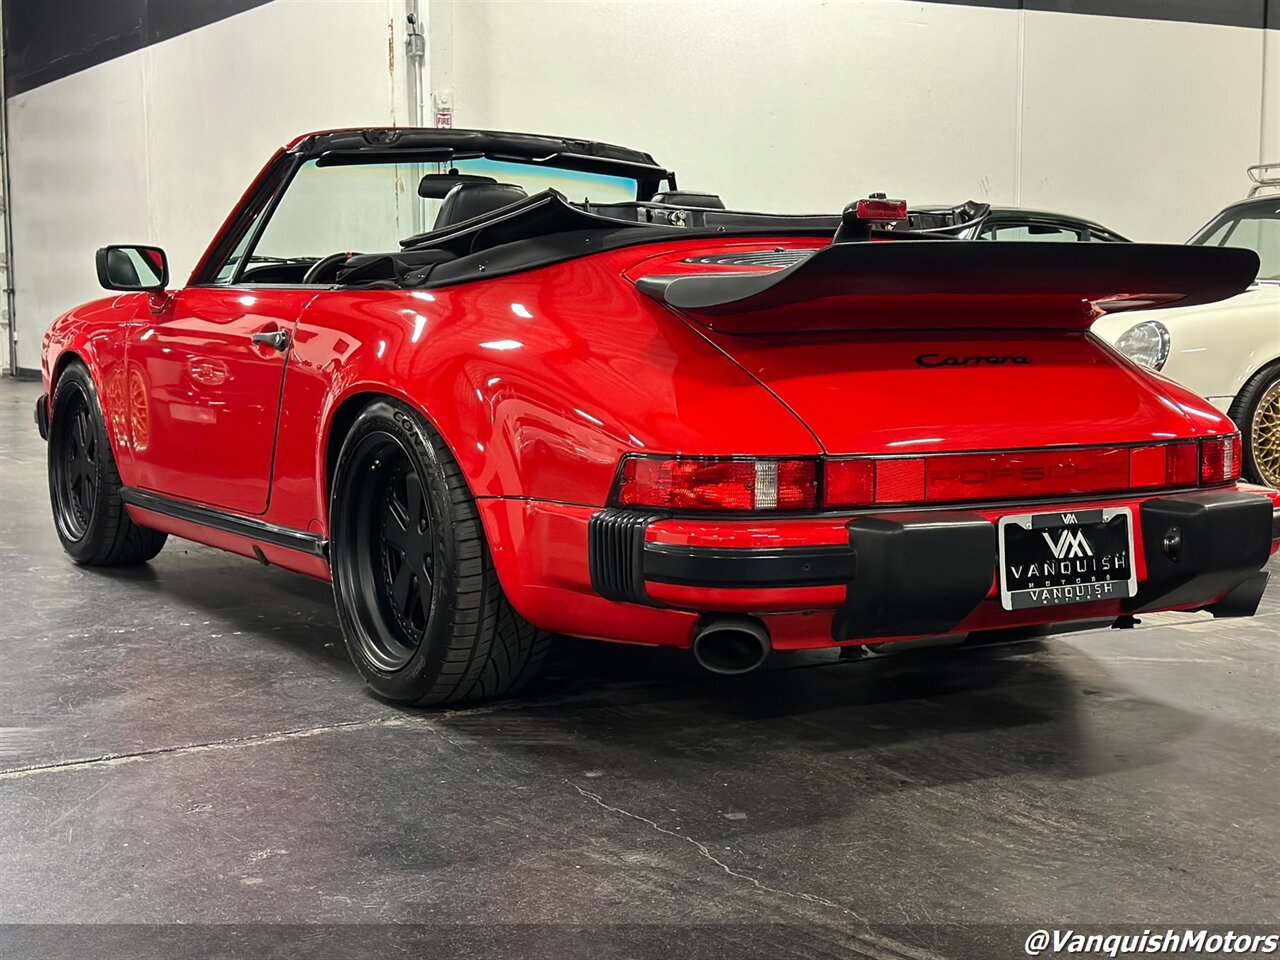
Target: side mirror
(131,267)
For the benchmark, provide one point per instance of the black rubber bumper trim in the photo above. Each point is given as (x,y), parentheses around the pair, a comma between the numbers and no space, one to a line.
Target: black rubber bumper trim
(615,553)
(917,573)
(756,567)
(1200,546)
(262,532)
(1275,525)
(42,416)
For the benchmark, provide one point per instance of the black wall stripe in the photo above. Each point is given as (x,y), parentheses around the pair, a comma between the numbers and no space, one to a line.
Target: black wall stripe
(1229,13)
(45,40)
(48,39)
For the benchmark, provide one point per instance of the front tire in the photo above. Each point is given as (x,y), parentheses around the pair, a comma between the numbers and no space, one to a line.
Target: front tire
(1256,412)
(84,486)
(424,617)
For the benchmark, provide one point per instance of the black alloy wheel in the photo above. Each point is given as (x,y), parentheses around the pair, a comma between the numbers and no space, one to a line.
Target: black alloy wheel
(423,614)
(73,468)
(84,485)
(391,520)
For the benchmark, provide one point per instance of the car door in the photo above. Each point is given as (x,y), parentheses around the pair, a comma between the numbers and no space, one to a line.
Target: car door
(205,378)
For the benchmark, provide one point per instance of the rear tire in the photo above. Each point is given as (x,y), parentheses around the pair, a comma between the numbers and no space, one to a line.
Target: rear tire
(1256,411)
(84,486)
(424,617)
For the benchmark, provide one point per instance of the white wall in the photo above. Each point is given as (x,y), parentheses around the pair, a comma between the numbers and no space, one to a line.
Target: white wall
(1145,125)
(797,105)
(158,145)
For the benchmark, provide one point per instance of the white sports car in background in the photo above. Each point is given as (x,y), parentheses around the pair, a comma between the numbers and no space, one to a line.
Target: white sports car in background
(1228,352)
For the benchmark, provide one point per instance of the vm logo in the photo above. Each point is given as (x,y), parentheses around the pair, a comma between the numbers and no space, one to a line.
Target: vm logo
(1070,544)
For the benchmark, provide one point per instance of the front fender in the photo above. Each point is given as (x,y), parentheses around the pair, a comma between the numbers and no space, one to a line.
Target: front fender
(96,334)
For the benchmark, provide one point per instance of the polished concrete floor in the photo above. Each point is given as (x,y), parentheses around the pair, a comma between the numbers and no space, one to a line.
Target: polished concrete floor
(186,743)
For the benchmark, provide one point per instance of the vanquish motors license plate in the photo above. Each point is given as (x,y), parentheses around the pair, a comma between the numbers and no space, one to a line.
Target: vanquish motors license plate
(1048,559)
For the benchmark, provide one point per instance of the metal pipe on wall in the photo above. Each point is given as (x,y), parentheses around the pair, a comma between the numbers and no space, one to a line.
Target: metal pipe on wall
(6,194)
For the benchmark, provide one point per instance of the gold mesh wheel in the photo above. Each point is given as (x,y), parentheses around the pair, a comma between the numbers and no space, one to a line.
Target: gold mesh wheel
(1264,435)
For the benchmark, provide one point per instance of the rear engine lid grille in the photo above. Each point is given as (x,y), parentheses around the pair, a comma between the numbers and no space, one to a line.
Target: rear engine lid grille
(755,258)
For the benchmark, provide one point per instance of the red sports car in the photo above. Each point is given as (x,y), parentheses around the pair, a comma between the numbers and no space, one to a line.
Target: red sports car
(575,399)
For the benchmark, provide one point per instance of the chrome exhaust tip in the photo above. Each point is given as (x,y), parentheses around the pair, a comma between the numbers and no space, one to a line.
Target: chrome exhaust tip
(730,645)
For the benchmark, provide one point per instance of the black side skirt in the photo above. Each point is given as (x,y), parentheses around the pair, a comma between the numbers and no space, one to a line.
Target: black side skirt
(246,527)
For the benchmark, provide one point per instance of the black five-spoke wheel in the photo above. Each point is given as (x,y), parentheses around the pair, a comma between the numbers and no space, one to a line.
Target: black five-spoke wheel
(422,611)
(76,467)
(407,552)
(84,486)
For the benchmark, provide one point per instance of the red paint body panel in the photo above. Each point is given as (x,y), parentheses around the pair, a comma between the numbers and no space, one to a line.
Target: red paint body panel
(204,428)
(303,563)
(540,552)
(866,393)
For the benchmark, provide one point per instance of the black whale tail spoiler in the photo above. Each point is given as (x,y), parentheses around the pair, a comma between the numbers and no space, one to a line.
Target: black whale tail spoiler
(919,285)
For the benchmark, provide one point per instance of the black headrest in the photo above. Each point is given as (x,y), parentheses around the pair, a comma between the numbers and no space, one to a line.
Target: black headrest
(467,201)
(689,198)
(121,269)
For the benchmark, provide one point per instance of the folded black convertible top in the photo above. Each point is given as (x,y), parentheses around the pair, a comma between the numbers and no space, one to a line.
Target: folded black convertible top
(549,213)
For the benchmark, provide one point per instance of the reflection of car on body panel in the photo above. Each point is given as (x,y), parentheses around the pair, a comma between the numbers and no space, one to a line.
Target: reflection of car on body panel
(639,416)
(1228,352)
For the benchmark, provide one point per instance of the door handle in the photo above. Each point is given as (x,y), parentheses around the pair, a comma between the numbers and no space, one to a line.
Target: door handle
(272,338)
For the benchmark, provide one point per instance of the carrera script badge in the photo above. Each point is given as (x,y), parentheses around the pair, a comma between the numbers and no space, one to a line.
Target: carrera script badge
(938,360)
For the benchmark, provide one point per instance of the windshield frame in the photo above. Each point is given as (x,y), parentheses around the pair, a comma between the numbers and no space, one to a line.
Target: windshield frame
(249,218)
(1235,214)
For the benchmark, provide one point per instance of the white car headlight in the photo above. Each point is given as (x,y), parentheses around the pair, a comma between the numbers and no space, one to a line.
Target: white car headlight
(1146,343)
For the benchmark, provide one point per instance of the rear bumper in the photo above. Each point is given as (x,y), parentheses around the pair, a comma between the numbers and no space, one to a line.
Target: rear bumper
(918,573)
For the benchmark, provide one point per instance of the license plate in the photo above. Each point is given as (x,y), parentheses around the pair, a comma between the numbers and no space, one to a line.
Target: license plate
(1047,559)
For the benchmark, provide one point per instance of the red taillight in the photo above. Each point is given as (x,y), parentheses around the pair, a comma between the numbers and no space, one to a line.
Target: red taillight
(1220,459)
(860,482)
(849,483)
(948,478)
(900,481)
(880,209)
(1164,465)
(1029,474)
(1014,475)
(1181,467)
(686,483)
(741,484)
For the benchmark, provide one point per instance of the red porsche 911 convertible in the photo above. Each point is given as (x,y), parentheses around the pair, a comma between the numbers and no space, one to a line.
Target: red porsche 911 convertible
(497,386)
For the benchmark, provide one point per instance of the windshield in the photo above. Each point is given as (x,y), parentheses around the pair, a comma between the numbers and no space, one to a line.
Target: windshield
(1255,227)
(370,207)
